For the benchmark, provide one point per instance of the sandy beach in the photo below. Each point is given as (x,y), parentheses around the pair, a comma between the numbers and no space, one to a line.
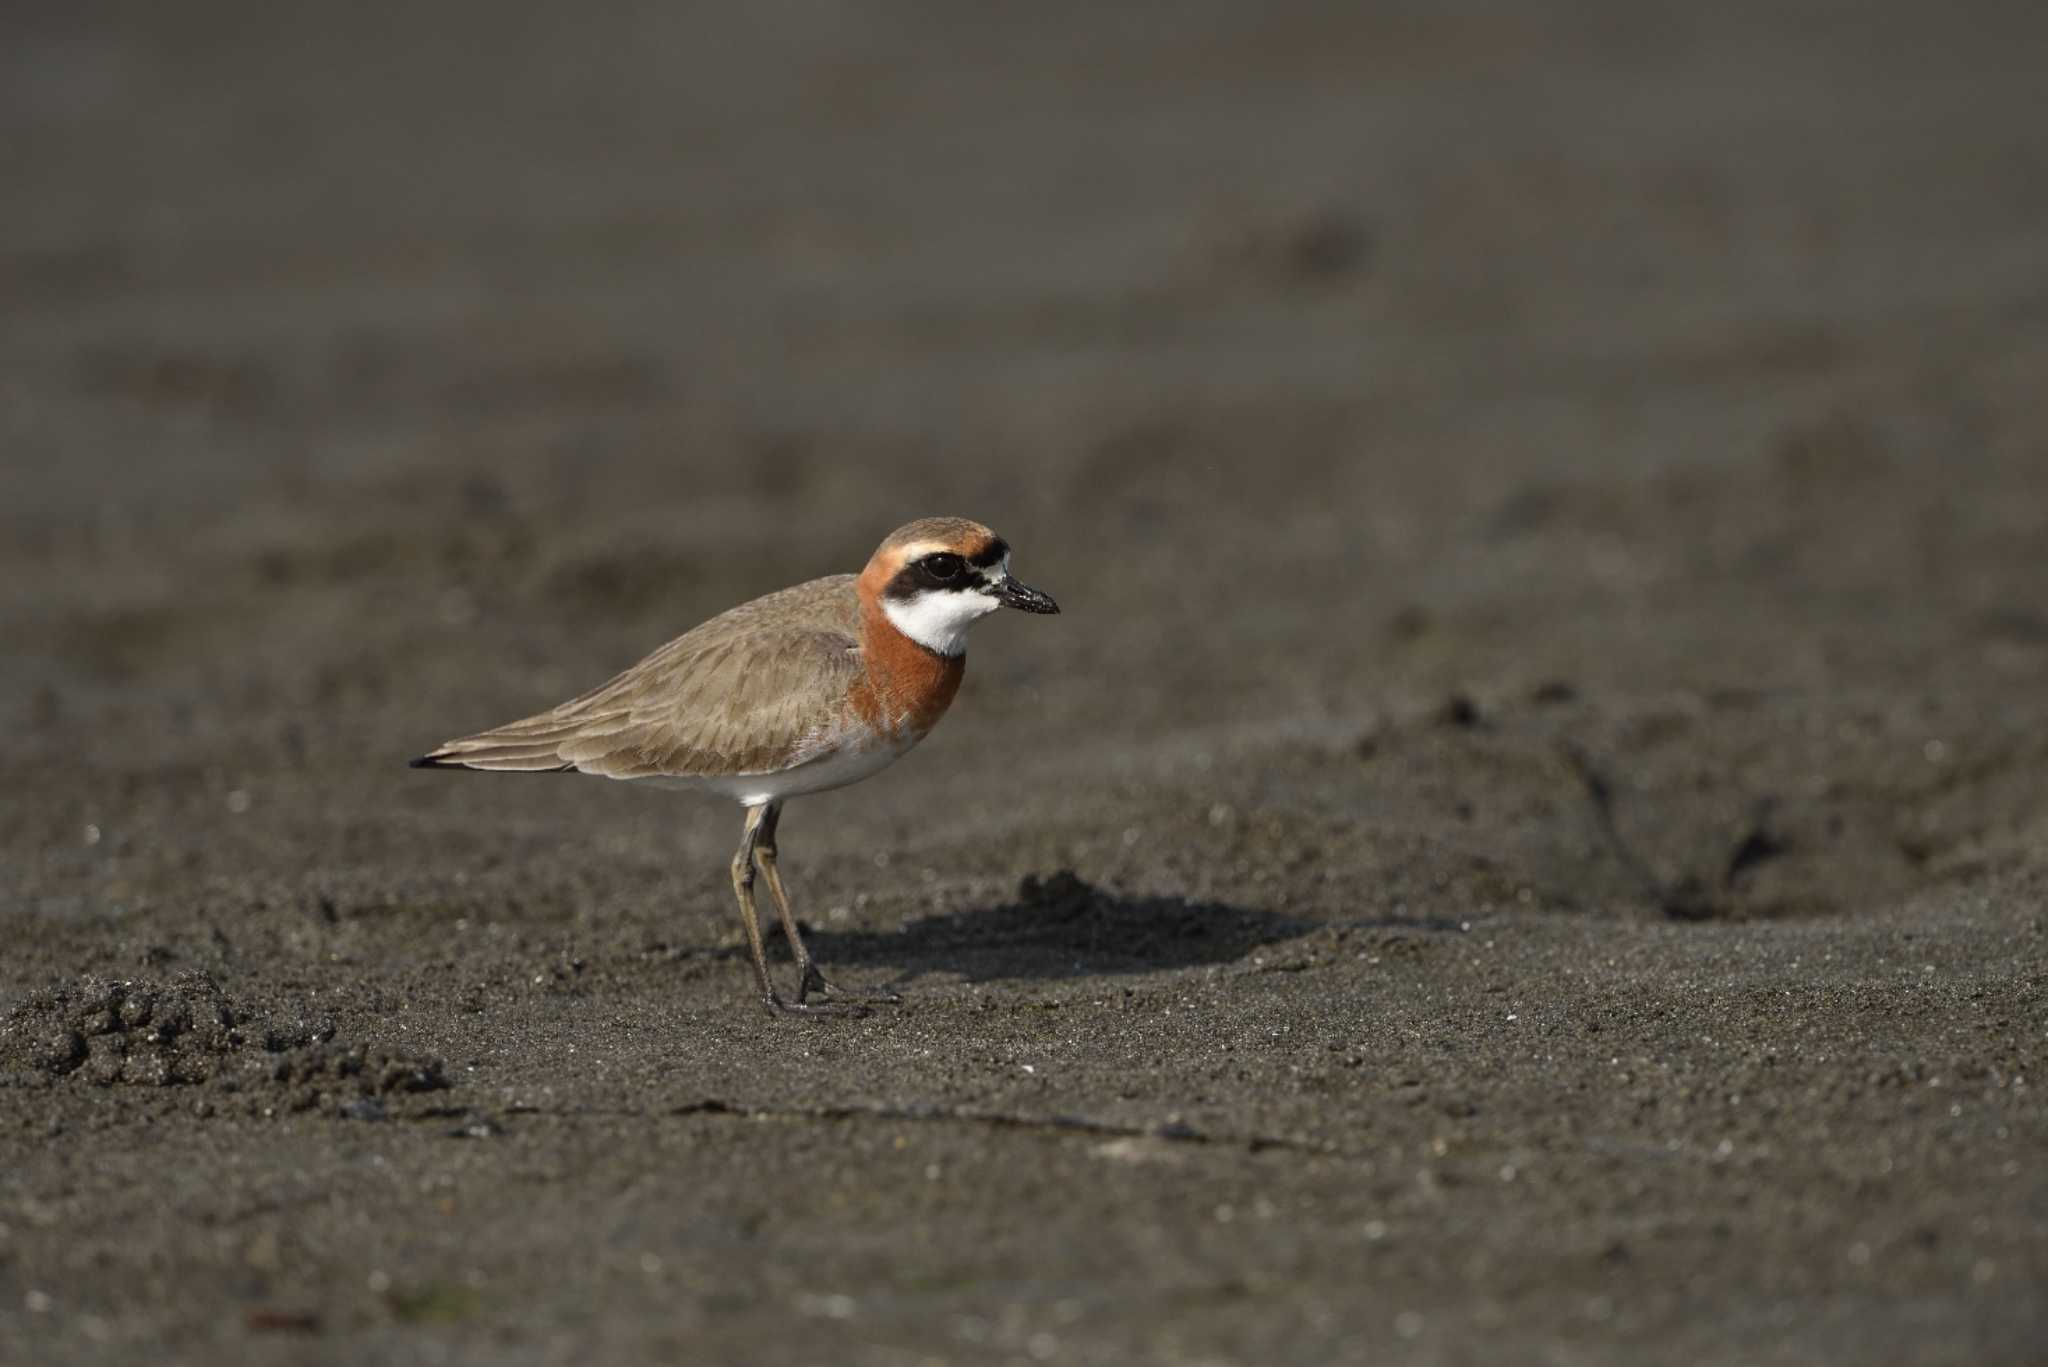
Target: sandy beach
(1528,842)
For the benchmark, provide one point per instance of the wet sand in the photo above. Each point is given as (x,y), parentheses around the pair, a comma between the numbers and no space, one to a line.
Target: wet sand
(1525,845)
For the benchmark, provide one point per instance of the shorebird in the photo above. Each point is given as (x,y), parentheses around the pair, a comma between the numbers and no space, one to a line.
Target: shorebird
(811,688)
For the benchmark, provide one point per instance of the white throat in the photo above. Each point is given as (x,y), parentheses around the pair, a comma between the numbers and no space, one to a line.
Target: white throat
(938,619)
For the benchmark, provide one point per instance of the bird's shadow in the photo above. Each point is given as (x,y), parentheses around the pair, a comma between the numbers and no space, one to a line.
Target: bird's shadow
(1061,927)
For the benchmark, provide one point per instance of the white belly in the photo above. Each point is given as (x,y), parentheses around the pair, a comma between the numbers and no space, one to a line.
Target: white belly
(835,770)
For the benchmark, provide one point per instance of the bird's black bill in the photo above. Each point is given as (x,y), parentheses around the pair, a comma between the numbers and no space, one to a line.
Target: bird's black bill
(1012,594)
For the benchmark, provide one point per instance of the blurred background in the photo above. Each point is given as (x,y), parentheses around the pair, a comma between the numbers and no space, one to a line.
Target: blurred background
(373,375)
(1496,460)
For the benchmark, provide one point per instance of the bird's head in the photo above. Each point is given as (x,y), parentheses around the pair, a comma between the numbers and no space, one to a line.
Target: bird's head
(936,577)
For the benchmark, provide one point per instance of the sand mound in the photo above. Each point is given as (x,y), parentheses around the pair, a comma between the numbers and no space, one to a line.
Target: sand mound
(189,1031)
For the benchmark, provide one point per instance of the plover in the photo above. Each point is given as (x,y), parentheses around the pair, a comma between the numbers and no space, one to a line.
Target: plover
(811,688)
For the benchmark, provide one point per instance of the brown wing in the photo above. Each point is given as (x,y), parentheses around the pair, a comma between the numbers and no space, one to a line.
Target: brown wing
(755,690)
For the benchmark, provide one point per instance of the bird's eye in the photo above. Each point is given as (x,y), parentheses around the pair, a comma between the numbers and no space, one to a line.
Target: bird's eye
(944,567)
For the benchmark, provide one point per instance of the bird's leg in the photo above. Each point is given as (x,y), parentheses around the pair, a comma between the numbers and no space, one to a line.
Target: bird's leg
(743,889)
(808,976)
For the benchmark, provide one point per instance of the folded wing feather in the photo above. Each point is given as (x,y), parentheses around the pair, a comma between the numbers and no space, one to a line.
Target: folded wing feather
(760,689)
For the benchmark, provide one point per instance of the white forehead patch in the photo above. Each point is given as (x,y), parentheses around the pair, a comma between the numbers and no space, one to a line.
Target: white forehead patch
(937,619)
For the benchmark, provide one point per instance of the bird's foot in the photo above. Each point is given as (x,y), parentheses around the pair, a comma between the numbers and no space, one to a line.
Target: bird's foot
(814,981)
(778,1007)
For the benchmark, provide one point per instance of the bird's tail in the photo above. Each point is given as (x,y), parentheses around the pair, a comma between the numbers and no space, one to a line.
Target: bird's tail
(503,758)
(533,746)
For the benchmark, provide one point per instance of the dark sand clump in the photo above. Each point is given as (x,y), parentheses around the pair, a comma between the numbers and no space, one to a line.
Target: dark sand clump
(187,1032)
